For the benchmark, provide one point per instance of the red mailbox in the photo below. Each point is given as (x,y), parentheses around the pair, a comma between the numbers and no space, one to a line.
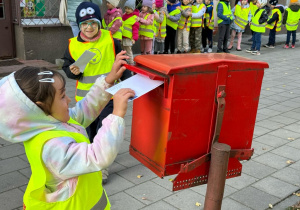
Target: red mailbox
(174,125)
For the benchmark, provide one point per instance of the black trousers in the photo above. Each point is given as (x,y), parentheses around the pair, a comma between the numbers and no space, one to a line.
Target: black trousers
(170,39)
(272,35)
(97,124)
(207,34)
(224,32)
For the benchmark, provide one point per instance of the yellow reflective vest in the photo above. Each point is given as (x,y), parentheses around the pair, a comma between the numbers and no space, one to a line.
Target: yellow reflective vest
(127,26)
(255,26)
(118,33)
(170,23)
(183,20)
(161,27)
(89,190)
(147,30)
(241,16)
(292,20)
(197,22)
(100,64)
(226,11)
(278,23)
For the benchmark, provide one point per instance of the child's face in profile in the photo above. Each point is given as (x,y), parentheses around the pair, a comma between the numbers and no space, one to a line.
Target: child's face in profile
(244,2)
(60,105)
(144,9)
(128,10)
(109,5)
(207,2)
(89,28)
(272,6)
(185,2)
(199,1)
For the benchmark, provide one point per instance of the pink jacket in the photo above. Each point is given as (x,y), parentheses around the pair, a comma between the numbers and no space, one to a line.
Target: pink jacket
(135,26)
(110,16)
(148,21)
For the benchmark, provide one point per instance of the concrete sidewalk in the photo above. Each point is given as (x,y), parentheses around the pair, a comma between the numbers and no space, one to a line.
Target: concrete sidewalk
(270,177)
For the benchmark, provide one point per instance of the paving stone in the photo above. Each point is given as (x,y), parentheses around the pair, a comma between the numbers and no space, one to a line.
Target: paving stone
(295,165)
(124,201)
(127,160)
(4,143)
(12,180)
(277,98)
(275,187)
(290,104)
(11,151)
(24,157)
(166,182)
(26,172)
(281,107)
(186,199)
(150,191)
(260,117)
(258,131)
(291,114)
(285,134)
(268,112)
(272,160)
(160,205)
(131,174)
(115,168)
(254,198)
(240,182)
(23,188)
(289,175)
(269,124)
(271,140)
(116,184)
(267,101)
(124,147)
(202,190)
(11,199)
(283,119)
(229,204)
(260,148)
(288,152)
(12,164)
(293,199)
(293,127)
(256,169)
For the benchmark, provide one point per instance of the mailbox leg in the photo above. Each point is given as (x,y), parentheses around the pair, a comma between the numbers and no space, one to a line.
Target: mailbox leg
(217,176)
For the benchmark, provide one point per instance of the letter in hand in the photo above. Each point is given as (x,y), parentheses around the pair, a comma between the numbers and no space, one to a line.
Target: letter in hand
(75,69)
(121,100)
(117,68)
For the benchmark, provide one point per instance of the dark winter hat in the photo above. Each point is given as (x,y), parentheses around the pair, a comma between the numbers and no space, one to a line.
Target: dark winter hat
(130,4)
(273,2)
(172,1)
(87,11)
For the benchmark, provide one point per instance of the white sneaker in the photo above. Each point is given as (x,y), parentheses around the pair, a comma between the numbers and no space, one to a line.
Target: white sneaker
(209,50)
(255,53)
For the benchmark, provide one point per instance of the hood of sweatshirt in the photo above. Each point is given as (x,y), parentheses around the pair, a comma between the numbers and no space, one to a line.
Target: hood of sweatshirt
(295,7)
(280,7)
(135,12)
(21,119)
(114,10)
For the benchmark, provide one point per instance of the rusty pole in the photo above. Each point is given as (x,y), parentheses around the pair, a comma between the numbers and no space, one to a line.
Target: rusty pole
(217,176)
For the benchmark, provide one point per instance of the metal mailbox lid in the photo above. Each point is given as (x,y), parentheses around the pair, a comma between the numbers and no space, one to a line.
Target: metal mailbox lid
(173,64)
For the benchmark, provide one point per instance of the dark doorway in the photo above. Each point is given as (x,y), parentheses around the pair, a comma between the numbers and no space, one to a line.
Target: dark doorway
(6,30)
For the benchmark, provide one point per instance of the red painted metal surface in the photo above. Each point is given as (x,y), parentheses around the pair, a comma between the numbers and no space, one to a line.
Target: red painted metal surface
(174,124)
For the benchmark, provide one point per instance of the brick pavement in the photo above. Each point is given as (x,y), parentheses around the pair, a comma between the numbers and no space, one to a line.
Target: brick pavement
(266,179)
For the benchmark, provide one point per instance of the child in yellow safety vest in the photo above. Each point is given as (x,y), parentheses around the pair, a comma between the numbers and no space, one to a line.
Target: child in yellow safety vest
(160,20)
(198,10)
(66,167)
(291,20)
(208,26)
(242,16)
(146,30)
(112,20)
(184,25)
(130,28)
(253,8)
(274,22)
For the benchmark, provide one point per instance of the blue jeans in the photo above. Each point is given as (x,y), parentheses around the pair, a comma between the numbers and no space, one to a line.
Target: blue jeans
(288,37)
(256,41)
(75,28)
(272,35)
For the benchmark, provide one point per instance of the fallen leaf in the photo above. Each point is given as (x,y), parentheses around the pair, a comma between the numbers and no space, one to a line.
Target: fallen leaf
(144,198)
(271,206)
(291,92)
(290,138)
(285,73)
(198,204)
(290,161)
(283,85)
(139,176)
(171,180)
(268,89)
(264,148)
(297,194)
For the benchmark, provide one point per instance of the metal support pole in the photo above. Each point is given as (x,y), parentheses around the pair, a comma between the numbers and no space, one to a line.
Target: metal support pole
(217,176)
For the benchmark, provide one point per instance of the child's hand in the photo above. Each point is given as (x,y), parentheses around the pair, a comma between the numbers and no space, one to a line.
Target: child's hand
(189,14)
(120,101)
(75,70)
(138,19)
(117,68)
(178,7)
(133,41)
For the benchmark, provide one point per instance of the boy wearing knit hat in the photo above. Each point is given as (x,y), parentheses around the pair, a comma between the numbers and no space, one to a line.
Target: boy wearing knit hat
(99,41)
(160,21)
(274,23)
(291,20)
(113,19)
(130,29)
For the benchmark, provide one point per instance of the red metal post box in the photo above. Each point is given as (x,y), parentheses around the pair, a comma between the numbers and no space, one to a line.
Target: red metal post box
(174,124)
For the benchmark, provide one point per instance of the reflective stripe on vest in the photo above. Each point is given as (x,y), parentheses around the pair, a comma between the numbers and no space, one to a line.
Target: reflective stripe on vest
(183,21)
(118,33)
(147,30)
(100,65)
(292,20)
(255,26)
(170,23)
(89,190)
(253,8)
(241,16)
(226,11)
(278,23)
(197,22)
(211,25)
(161,27)
(127,26)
